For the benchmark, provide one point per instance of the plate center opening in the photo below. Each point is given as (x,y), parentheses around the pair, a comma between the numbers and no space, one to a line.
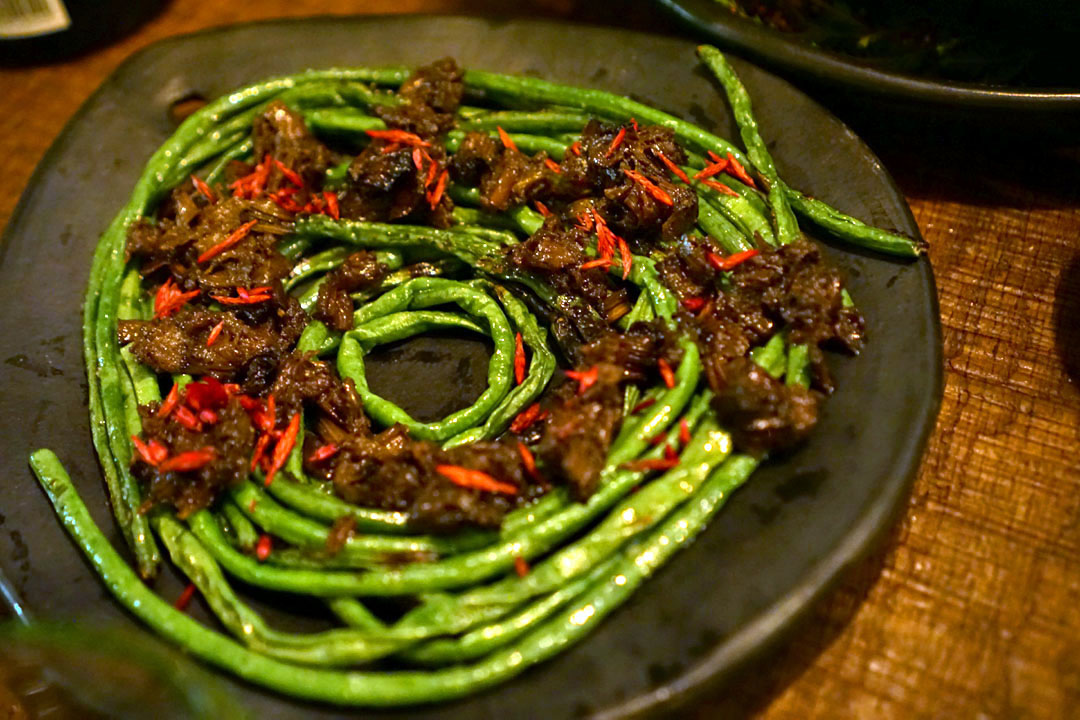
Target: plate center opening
(432,375)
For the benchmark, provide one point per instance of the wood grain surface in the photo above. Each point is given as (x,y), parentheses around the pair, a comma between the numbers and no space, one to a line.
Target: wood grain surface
(971,609)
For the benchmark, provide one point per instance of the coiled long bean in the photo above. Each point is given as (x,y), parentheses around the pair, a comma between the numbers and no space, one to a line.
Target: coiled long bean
(474,613)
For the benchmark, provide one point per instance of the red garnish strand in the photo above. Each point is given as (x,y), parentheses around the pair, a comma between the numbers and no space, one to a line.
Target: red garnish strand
(208,416)
(585,378)
(684,431)
(231,388)
(239,234)
(658,193)
(605,239)
(158,451)
(168,299)
(150,454)
(627,259)
(739,171)
(719,187)
(215,333)
(418,159)
(521,566)
(204,189)
(693,304)
(585,221)
(187,461)
(675,169)
(553,166)
(519,359)
(392,147)
(315,205)
(507,141)
(332,204)
(290,175)
(323,453)
(714,157)
(399,137)
(604,263)
(651,464)
(282,198)
(542,209)
(271,414)
(670,454)
(713,169)
(171,401)
(253,183)
(634,123)
(646,403)
(283,447)
(526,418)
(576,148)
(187,418)
(185,597)
(247,296)
(205,393)
(433,169)
(528,460)
(666,372)
(263,547)
(264,417)
(260,450)
(731,261)
(474,479)
(616,142)
(435,195)
(658,438)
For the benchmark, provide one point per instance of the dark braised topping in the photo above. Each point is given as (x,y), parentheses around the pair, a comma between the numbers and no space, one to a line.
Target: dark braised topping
(592,299)
(581,428)
(392,471)
(399,175)
(281,133)
(334,306)
(761,412)
(506,176)
(600,172)
(635,352)
(230,437)
(788,287)
(252,338)
(385,185)
(188,228)
(797,287)
(429,99)
(303,379)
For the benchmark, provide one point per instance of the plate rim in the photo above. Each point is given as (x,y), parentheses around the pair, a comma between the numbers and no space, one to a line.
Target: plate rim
(773,624)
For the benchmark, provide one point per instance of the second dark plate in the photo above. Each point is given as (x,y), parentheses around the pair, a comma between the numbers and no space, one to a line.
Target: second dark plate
(1040,114)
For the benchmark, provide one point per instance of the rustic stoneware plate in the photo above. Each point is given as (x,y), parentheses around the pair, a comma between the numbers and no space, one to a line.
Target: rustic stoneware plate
(779,543)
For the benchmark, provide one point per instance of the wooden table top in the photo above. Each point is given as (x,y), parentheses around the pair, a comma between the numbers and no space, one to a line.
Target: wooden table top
(971,609)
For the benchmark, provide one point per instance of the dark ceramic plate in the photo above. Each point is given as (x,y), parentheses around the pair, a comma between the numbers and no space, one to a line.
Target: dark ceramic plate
(1056,110)
(778,544)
